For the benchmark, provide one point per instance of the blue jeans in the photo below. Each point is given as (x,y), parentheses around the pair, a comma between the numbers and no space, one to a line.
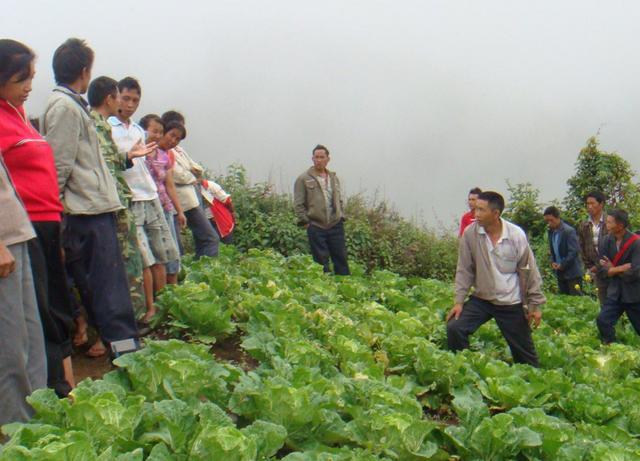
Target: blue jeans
(205,239)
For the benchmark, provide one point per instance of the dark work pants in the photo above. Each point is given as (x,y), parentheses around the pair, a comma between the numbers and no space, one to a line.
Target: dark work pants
(510,319)
(610,313)
(329,243)
(94,261)
(54,300)
(227,239)
(568,286)
(205,239)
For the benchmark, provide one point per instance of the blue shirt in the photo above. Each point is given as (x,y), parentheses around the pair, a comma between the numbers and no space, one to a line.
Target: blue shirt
(555,241)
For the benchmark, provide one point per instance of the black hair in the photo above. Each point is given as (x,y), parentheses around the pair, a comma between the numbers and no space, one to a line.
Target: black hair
(475,191)
(15,59)
(495,200)
(147,119)
(320,147)
(70,59)
(621,216)
(100,88)
(129,83)
(551,211)
(597,195)
(175,125)
(173,116)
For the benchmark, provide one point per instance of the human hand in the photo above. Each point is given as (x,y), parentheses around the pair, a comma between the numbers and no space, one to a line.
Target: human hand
(534,317)
(455,312)
(7,262)
(555,266)
(182,220)
(142,150)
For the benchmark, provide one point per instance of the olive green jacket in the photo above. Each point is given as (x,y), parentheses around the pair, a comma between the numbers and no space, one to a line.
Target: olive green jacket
(309,201)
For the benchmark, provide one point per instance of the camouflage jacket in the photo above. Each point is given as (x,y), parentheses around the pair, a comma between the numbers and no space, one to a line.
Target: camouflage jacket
(116,160)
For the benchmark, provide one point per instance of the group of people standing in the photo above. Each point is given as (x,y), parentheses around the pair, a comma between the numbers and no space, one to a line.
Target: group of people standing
(92,208)
(497,276)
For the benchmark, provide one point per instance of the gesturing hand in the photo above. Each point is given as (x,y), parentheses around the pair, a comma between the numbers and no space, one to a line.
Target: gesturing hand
(142,150)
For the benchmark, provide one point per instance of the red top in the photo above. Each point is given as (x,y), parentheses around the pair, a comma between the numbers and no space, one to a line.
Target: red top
(29,160)
(468,218)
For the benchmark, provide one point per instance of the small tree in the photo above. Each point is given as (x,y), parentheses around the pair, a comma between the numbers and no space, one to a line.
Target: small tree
(524,209)
(607,172)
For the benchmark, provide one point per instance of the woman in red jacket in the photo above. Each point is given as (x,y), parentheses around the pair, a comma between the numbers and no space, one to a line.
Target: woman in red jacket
(30,162)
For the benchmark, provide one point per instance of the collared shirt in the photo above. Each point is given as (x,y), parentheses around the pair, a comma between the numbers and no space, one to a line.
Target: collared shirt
(596,228)
(555,242)
(504,257)
(327,190)
(142,185)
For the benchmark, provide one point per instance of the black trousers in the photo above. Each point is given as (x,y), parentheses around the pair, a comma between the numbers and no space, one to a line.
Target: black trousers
(610,313)
(94,262)
(510,319)
(54,300)
(329,244)
(568,286)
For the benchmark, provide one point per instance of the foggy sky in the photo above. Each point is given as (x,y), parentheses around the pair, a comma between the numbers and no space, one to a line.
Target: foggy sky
(417,100)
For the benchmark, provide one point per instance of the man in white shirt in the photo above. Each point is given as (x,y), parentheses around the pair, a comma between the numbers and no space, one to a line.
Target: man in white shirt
(157,246)
(495,259)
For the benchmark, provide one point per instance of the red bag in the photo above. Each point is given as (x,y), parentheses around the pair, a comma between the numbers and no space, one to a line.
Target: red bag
(223,217)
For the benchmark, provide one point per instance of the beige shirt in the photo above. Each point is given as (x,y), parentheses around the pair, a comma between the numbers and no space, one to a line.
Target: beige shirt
(185,180)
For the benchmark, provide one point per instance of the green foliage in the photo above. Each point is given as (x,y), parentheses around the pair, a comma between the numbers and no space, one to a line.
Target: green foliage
(524,209)
(604,171)
(377,236)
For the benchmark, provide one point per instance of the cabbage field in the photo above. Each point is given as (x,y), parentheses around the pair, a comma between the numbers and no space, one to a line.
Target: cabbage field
(342,369)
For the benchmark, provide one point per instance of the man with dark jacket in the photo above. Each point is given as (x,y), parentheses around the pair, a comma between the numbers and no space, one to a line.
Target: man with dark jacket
(620,266)
(591,234)
(565,257)
(318,206)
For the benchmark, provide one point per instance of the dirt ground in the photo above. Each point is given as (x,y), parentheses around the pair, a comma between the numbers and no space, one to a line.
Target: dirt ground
(226,350)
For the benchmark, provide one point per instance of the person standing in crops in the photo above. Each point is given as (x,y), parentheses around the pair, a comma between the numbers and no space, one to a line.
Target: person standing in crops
(29,161)
(591,234)
(620,265)
(89,196)
(470,216)
(565,253)
(23,365)
(318,205)
(496,260)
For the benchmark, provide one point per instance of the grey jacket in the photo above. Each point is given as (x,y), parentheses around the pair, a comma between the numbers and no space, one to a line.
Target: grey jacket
(86,185)
(474,270)
(309,201)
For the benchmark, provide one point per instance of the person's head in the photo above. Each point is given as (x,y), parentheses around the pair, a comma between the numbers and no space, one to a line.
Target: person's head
(103,94)
(152,124)
(320,157)
(617,221)
(130,94)
(552,217)
(489,207)
(16,71)
(72,63)
(173,116)
(174,132)
(595,203)
(472,197)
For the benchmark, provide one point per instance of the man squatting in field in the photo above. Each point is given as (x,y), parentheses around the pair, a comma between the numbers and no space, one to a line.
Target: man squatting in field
(494,257)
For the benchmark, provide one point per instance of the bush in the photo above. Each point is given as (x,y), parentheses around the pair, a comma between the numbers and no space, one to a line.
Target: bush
(377,236)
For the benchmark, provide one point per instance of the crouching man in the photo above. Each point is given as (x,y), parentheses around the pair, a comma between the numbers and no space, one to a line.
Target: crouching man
(495,259)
